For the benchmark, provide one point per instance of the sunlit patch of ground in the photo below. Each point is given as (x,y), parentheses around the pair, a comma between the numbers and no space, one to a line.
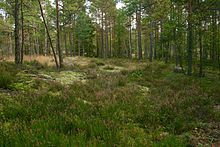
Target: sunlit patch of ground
(80,61)
(108,65)
(69,77)
(44,60)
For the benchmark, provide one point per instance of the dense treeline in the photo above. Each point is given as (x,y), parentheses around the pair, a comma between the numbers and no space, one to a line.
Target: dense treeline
(182,31)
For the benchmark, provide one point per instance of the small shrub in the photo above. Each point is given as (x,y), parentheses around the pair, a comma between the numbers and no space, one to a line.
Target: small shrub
(100,63)
(124,72)
(35,64)
(121,82)
(137,74)
(92,65)
(109,68)
(5,80)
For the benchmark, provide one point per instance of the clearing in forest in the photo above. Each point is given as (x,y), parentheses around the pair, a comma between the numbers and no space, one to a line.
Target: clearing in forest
(113,102)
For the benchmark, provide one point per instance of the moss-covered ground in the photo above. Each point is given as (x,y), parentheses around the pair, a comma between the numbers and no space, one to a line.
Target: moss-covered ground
(94,102)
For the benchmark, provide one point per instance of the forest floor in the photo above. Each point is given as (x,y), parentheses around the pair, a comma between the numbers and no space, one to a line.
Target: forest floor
(112,102)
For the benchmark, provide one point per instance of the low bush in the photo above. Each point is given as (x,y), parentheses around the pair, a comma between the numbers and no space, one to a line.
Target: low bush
(6,79)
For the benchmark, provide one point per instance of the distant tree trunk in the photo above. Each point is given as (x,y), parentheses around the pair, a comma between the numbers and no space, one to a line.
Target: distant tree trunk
(16,30)
(155,42)
(151,42)
(29,42)
(145,46)
(138,14)
(83,46)
(110,42)
(190,38)
(175,47)
(79,47)
(161,41)
(74,35)
(36,44)
(58,34)
(71,43)
(106,37)
(10,44)
(130,38)
(113,37)
(22,32)
(166,52)
(46,37)
(97,43)
(214,40)
(48,34)
(102,36)
(201,53)
(65,43)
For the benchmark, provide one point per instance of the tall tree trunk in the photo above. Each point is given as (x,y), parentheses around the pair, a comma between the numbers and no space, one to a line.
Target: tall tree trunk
(190,38)
(102,36)
(145,46)
(65,43)
(201,53)
(110,41)
(106,37)
(16,30)
(22,32)
(97,43)
(138,15)
(214,40)
(29,42)
(161,41)
(10,44)
(175,47)
(155,42)
(45,36)
(71,42)
(58,34)
(130,38)
(48,34)
(151,42)
(74,35)
(46,43)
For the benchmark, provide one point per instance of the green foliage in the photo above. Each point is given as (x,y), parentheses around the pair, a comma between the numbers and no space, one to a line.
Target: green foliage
(171,141)
(136,74)
(149,106)
(85,32)
(7,75)
(6,80)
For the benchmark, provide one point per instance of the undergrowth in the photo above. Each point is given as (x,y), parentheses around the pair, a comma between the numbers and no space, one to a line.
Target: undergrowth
(149,106)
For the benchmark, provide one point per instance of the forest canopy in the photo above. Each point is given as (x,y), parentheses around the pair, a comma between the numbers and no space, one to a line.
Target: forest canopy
(185,32)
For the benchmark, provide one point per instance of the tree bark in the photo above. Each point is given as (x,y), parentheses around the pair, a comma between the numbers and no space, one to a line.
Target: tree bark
(130,38)
(71,43)
(22,33)
(201,53)
(151,42)
(48,34)
(16,31)
(190,38)
(58,35)
(102,36)
(65,43)
(138,15)
(106,37)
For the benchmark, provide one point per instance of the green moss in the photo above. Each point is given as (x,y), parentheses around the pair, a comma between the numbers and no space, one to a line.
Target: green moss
(142,105)
(69,77)
(112,69)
